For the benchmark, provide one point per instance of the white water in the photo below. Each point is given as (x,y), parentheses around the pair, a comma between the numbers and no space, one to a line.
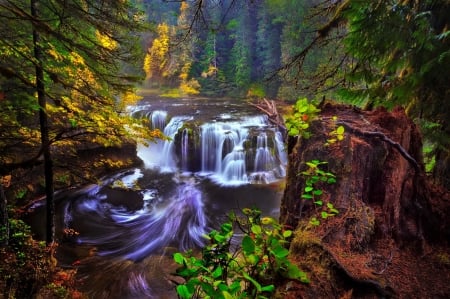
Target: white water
(231,152)
(174,200)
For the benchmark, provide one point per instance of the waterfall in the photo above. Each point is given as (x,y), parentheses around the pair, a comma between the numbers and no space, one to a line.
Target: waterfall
(222,151)
(184,149)
(161,154)
(168,159)
(264,160)
(230,152)
(158,119)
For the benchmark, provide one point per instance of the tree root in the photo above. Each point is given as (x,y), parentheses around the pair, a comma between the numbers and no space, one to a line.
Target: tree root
(386,139)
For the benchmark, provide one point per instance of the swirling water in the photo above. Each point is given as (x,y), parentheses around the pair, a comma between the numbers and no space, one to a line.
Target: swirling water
(125,230)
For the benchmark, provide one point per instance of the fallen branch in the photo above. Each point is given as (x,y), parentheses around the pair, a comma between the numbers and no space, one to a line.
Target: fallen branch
(270,109)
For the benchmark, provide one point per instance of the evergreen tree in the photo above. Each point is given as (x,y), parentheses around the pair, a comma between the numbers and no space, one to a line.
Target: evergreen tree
(268,47)
(71,64)
(395,53)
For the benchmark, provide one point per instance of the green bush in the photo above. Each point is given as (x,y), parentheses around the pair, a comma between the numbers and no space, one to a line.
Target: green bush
(249,271)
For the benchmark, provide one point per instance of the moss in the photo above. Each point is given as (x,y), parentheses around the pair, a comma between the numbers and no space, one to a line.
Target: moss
(303,238)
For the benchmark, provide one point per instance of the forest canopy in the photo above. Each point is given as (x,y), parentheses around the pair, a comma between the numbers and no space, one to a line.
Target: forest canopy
(367,53)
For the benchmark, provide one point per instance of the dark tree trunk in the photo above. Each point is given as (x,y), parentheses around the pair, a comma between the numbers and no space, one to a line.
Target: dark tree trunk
(441,171)
(389,213)
(43,121)
(4,224)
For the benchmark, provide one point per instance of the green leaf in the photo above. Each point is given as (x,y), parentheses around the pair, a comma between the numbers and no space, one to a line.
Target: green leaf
(253,281)
(235,287)
(309,189)
(256,229)
(253,259)
(314,221)
(340,130)
(280,251)
(307,196)
(317,192)
(294,272)
(319,202)
(324,215)
(178,258)
(227,295)
(287,233)
(269,288)
(303,109)
(248,245)
(331,181)
(220,238)
(183,291)
(217,272)
(227,227)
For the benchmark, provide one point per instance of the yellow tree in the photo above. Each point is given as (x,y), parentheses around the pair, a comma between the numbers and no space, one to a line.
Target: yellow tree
(68,68)
(157,57)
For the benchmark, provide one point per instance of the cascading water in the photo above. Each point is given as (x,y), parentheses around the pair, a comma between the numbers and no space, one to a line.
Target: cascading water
(161,154)
(209,165)
(264,160)
(231,152)
(184,149)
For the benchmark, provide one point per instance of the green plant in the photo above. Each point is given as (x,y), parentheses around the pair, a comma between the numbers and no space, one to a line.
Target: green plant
(313,177)
(249,271)
(20,193)
(337,134)
(298,122)
(429,157)
(26,266)
(57,290)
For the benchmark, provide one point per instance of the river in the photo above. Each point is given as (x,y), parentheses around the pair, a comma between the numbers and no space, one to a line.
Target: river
(222,156)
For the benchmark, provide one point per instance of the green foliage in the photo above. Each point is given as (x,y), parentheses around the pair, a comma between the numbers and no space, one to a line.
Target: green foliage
(90,69)
(299,121)
(429,157)
(26,265)
(314,177)
(256,91)
(335,135)
(247,272)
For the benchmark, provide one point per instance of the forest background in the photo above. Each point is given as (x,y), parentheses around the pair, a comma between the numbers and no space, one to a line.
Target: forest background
(69,69)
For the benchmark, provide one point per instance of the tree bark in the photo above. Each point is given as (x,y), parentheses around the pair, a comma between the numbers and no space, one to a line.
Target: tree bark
(389,213)
(43,121)
(4,223)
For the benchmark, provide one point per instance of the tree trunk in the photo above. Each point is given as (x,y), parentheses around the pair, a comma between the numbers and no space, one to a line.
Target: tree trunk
(4,223)
(43,121)
(389,215)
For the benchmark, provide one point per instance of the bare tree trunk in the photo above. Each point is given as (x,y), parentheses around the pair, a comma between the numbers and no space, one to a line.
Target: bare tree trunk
(43,121)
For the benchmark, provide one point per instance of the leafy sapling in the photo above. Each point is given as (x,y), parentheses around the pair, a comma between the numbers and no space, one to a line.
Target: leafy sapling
(313,177)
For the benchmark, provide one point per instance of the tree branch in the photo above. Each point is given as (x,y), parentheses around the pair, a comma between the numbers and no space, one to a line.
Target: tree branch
(386,139)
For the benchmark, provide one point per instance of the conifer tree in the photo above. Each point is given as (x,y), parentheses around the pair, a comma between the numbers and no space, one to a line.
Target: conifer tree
(394,53)
(73,65)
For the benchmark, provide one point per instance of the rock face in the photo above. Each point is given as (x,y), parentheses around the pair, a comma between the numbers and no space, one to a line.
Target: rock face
(391,226)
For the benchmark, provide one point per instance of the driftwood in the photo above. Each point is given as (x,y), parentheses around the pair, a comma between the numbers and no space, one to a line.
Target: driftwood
(270,109)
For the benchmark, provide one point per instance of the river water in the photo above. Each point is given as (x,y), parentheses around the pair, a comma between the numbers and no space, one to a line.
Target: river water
(222,156)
